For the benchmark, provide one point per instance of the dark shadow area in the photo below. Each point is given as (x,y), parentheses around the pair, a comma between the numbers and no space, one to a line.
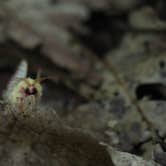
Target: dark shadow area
(152,91)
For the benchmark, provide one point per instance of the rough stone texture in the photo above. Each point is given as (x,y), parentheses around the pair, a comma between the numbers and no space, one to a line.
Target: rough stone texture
(40,138)
(126,159)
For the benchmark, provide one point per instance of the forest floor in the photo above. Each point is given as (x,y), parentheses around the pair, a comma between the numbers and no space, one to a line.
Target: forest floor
(106,61)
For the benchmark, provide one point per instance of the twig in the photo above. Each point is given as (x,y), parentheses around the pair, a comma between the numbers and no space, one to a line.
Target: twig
(155,134)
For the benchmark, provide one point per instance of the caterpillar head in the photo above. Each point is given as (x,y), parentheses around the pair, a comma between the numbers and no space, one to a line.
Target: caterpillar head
(22,88)
(29,86)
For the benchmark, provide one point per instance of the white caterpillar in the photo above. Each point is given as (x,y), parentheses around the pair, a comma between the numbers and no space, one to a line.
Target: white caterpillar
(23,92)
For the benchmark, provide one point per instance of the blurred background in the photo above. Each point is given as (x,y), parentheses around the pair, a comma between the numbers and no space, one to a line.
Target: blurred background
(102,56)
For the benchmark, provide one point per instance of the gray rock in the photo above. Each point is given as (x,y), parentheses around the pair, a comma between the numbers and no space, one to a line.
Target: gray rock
(126,159)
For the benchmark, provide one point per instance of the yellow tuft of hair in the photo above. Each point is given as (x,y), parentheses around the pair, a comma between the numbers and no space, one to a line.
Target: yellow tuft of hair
(24,83)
